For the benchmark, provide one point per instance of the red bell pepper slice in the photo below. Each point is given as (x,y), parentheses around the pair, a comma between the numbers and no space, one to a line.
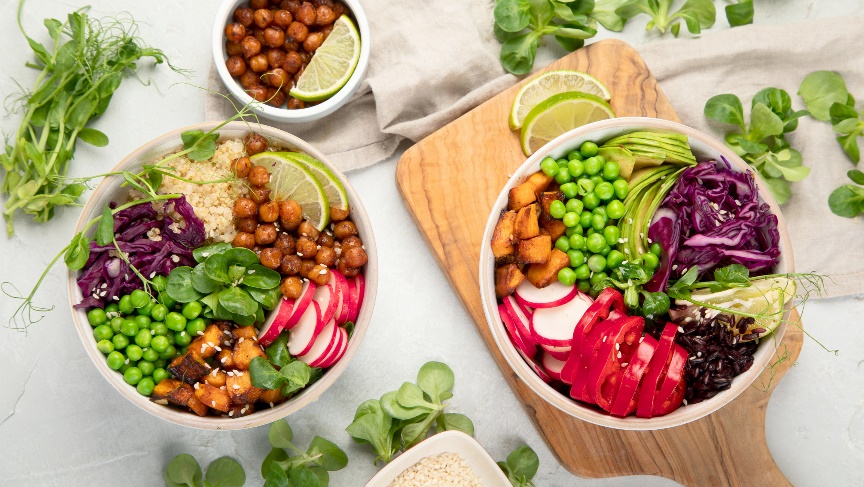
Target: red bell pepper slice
(656,370)
(607,301)
(672,392)
(619,346)
(625,401)
(587,354)
(673,402)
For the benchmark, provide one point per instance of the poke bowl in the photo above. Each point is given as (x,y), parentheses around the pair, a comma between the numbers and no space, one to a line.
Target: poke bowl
(233,280)
(635,274)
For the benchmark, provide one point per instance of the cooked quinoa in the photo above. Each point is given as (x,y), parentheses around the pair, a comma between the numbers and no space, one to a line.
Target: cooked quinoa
(212,202)
(444,470)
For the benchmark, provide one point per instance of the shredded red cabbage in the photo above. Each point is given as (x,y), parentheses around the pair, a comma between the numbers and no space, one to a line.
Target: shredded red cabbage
(713,218)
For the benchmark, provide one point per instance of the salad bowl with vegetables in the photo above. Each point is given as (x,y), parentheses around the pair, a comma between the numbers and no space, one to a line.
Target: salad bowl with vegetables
(222,275)
(635,274)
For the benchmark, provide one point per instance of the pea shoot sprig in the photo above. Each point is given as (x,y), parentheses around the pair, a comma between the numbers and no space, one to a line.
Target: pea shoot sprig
(521,466)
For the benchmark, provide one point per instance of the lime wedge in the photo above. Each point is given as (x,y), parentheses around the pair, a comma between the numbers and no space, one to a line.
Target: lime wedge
(332,65)
(552,83)
(290,180)
(559,114)
(333,188)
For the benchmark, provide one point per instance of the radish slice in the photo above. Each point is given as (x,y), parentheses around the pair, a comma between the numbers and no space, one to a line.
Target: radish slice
(521,320)
(554,326)
(539,370)
(301,304)
(333,347)
(550,296)
(560,353)
(359,292)
(552,365)
(523,347)
(276,322)
(321,345)
(331,361)
(342,288)
(327,300)
(307,330)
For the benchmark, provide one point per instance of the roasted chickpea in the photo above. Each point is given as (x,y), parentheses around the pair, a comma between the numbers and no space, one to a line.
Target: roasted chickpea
(255,143)
(249,79)
(268,212)
(236,66)
(306,14)
(349,242)
(248,224)
(235,32)
(306,266)
(325,239)
(258,93)
(297,31)
(339,9)
(259,195)
(265,234)
(256,4)
(258,63)
(292,62)
(290,43)
(241,166)
(354,257)
(347,271)
(233,48)
(275,57)
(326,256)
(290,214)
(326,30)
(259,176)
(291,287)
(324,15)
(319,274)
(306,56)
(313,41)
(338,214)
(244,239)
(290,5)
(282,19)
(290,265)
(307,230)
(244,208)
(276,97)
(285,243)
(263,18)
(344,229)
(251,46)
(278,78)
(306,248)
(243,16)
(258,34)
(270,258)
(274,36)
(295,104)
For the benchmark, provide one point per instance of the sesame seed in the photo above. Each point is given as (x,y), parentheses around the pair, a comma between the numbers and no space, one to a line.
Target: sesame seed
(680,329)
(213,404)
(175,259)
(271,404)
(604,339)
(619,354)
(685,402)
(218,349)
(200,333)
(152,274)
(674,267)
(650,241)
(235,386)
(223,360)
(231,413)
(625,364)
(197,385)
(642,338)
(240,341)
(299,254)
(322,271)
(617,346)
(630,221)
(627,251)
(698,354)
(126,361)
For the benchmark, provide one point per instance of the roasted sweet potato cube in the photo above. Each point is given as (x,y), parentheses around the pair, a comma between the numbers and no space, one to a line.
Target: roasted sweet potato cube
(206,344)
(189,367)
(526,222)
(539,181)
(240,411)
(535,250)
(504,236)
(240,388)
(555,228)
(521,196)
(272,396)
(542,275)
(546,198)
(213,397)
(216,378)
(244,351)
(175,392)
(197,406)
(164,389)
(506,279)
(246,332)
(225,358)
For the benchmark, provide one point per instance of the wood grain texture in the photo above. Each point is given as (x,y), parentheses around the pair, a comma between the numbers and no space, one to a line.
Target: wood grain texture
(449,182)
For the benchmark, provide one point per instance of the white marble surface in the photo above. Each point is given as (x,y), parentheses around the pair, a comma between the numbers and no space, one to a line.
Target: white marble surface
(61,424)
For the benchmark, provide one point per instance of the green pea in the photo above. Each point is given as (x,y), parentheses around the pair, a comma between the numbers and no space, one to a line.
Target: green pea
(569,190)
(105,346)
(600,210)
(566,276)
(125,305)
(651,260)
(146,367)
(149,354)
(157,329)
(611,234)
(562,162)
(165,299)
(133,376)
(597,262)
(584,186)
(159,343)
(169,353)
(655,249)
(182,338)
(139,298)
(116,323)
(196,327)
(147,309)
(615,209)
(159,312)
(593,166)
(115,360)
(96,317)
(577,230)
(597,277)
(591,201)
(102,332)
(606,251)
(611,171)
(160,283)
(596,179)
(582,272)
(125,367)
(120,341)
(112,308)
(589,232)
(585,220)
(598,222)
(570,219)
(175,321)
(614,259)
(575,205)
(605,191)
(129,328)
(145,386)
(170,337)
(621,188)
(143,338)
(577,242)
(557,209)
(549,166)
(192,310)
(595,243)
(588,149)
(134,352)
(583,285)
(575,167)
(563,177)
(143,321)
(159,374)
(574,155)
(577,258)
(160,363)
(182,350)
(562,244)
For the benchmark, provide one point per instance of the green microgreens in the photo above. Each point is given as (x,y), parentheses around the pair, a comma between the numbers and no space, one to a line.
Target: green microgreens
(292,376)
(521,466)
(848,200)
(740,13)
(184,471)
(696,14)
(307,468)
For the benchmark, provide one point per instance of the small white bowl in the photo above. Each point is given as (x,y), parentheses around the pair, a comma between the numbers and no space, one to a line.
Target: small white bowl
(110,189)
(704,148)
(468,448)
(224,16)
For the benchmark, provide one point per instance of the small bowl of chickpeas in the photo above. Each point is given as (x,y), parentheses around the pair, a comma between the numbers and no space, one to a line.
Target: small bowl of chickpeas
(262,47)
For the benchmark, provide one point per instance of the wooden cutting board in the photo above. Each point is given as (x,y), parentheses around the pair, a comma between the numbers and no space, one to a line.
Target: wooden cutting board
(449,182)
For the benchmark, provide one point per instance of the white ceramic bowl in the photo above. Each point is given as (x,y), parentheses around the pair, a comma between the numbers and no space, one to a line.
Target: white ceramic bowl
(458,442)
(225,15)
(109,189)
(705,148)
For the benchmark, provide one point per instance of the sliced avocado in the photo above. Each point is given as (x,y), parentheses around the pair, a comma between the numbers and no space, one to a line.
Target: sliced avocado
(622,156)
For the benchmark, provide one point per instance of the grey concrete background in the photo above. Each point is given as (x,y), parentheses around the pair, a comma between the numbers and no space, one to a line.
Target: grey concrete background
(62,424)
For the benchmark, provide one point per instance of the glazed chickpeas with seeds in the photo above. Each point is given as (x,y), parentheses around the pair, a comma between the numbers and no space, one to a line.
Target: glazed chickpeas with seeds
(344,229)
(244,239)
(319,274)
(235,32)
(313,41)
(306,248)
(291,287)
(259,176)
(263,18)
(282,19)
(247,225)
(275,58)
(268,212)
(259,195)
(258,93)
(347,271)
(244,16)
(255,143)
(251,46)
(290,265)
(338,214)
(258,63)
(236,66)
(325,239)
(326,256)
(306,266)
(292,62)
(354,257)
(249,79)
(298,31)
(278,78)
(265,234)
(306,14)
(275,96)
(290,214)
(286,244)
(324,15)
(241,166)
(244,207)
(233,48)
(270,258)
(274,36)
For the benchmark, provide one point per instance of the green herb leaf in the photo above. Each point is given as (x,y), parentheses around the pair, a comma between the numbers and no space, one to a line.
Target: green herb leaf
(779,189)
(435,379)
(280,435)
(740,13)
(201,253)
(202,283)
(371,425)
(276,477)
(655,303)
(697,14)
(260,277)
(332,457)
(216,268)
(411,396)
(93,137)
(225,472)
(203,145)
(732,274)
(849,143)
(180,287)
(764,123)
(303,477)
(856,176)
(391,406)
(268,298)
(458,422)
(820,90)
(240,256)
(105,230)
(277,352)
(184,470)
(323,476)
(77,253)
(296,375)
(264,375)
(679,288)
(518,53)
(604,13)
(523,462)
(275,455)
(845,202)
(512,15)
(725,108)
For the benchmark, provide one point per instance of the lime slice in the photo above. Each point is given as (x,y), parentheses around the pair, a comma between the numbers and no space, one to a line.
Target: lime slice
(290,180)
(552,83)
(332,65)
(559,114)
(333,188)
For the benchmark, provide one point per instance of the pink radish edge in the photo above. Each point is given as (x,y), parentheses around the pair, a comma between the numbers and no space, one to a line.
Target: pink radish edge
(552,365)
(550,296)
(515,338)
(276,322)
(554,326)
(321,344)
(307,330)
(301,304)
(521,320)
(337,356)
